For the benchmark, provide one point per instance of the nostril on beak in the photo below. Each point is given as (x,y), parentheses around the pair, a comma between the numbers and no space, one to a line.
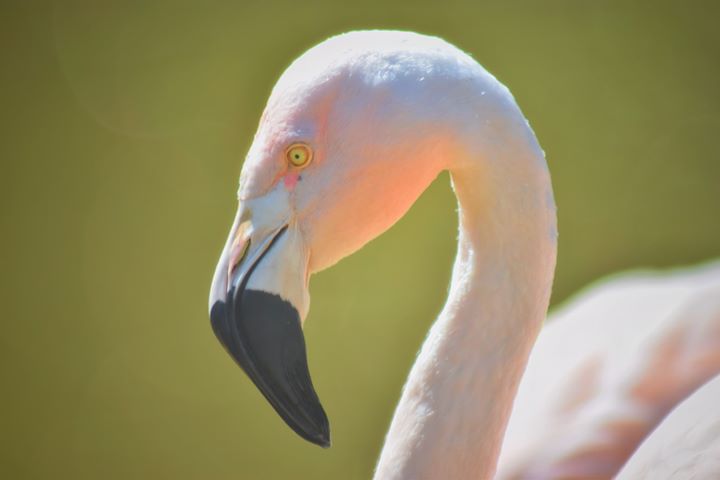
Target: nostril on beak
(238,250)
(237,255)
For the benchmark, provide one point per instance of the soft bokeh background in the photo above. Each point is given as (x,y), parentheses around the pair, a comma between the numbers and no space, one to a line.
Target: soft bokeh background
(124,125)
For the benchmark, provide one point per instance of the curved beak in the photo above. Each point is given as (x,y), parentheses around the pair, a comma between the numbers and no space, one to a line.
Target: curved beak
(258,299)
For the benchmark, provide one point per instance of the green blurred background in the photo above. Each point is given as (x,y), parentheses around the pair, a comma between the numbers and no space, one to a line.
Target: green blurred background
(124,125)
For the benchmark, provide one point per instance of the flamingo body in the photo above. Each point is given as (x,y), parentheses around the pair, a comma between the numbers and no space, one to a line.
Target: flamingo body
(607,368)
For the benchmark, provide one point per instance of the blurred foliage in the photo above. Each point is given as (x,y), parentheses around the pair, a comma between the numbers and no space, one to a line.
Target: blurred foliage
(124,125)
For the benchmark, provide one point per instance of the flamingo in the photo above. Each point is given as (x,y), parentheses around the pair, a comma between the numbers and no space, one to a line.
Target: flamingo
(353,132)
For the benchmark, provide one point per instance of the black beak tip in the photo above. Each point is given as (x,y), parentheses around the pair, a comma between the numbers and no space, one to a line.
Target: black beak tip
(319,435)
(323,435)
(262,333)
(324,441)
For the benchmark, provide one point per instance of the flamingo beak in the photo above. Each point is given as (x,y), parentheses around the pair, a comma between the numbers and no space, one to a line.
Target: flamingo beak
(258,299)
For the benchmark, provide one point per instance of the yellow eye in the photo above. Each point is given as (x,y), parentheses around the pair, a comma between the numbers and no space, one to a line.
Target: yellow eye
(299,155)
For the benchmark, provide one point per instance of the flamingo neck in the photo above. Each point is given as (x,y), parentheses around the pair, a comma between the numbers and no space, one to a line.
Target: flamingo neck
(456,402)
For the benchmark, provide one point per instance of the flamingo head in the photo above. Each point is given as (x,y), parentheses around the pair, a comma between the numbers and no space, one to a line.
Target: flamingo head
(353,132)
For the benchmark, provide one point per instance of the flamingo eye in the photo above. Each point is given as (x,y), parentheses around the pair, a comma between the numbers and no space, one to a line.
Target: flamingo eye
(299,155)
